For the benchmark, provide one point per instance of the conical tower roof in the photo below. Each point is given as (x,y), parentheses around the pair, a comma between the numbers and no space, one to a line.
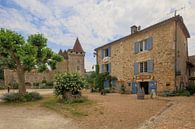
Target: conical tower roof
(77,46)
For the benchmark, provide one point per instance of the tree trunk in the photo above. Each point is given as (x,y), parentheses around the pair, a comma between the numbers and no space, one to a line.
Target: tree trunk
(21,80)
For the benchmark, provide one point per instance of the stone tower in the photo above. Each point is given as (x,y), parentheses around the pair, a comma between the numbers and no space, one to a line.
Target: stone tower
(76,58)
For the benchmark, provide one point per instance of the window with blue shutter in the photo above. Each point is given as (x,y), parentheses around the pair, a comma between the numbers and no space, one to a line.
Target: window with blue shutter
(136,47)
(136,68)
(102,53)
(109,52)
(149,43)
(102,68)
(150,65)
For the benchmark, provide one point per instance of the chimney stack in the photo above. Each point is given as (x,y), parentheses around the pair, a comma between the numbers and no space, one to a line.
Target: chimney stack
(134,29)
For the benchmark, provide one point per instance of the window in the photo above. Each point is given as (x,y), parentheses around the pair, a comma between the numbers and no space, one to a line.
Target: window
(106,52)
(143,67)
(106,68)
(143,45)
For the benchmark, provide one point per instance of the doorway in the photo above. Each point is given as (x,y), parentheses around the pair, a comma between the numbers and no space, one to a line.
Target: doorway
(145,86)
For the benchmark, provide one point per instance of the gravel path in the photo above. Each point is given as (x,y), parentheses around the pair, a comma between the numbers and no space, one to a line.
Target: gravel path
(116,111)
(179,114)
(32,118)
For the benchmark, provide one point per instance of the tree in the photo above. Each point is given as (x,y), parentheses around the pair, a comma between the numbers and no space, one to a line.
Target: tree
(1,74)
(23,56)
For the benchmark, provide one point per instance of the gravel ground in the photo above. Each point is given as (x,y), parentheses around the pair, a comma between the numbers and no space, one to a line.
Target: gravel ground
(180,115)
(14,117)
(116,111)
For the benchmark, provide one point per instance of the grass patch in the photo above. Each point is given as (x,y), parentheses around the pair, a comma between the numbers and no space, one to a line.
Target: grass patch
(70,108)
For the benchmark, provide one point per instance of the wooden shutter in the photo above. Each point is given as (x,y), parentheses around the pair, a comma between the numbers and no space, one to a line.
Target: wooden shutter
(102,68)
(136,68)
(150,66)
(136,47)
(149,43)
(102,53)
(109,52)
(109,68)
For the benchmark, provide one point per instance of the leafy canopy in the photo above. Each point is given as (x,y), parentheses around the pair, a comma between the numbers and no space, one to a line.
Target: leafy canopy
(15,52)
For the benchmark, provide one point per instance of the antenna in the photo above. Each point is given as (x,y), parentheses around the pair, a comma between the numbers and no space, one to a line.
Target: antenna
(176,10)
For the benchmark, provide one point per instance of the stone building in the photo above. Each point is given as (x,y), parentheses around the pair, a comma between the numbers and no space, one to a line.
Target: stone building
(73,62)
(155,57)
(191,64)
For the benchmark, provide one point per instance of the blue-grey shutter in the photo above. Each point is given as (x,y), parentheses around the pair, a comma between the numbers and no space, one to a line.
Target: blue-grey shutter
(150,66)
(102,68)
(102,53)
(136,68)
(136,47)
(149,43)
(109,68)
(109,52)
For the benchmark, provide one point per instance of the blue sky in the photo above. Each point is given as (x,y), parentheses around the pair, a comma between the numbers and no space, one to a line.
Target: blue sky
(94,22)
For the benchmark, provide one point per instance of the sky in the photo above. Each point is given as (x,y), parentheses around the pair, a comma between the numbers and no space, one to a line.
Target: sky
(94,22)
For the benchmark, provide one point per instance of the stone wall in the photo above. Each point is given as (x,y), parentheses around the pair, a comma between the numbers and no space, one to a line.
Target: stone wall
(162,53)
(68,65)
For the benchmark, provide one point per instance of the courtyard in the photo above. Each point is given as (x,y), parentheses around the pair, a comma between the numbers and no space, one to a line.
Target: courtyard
(112,111)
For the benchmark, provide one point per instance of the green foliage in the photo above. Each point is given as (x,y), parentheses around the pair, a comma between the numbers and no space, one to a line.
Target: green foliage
(191,89)
(97,69)
(122,89)
(17,97)
(174,93)
(74,101)
(1,74)
(90,79)
(66,82)
(100,80)
(16,53)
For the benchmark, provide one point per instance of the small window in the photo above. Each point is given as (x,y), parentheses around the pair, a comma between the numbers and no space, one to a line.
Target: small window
(145,67)
(106,52)
(141,67)
(141,47)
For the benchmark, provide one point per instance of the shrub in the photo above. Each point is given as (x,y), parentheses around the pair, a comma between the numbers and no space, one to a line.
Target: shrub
(17,97)
(183,93)
(168,93)
(191,89)
(174,93)
(122,89)
(68,84)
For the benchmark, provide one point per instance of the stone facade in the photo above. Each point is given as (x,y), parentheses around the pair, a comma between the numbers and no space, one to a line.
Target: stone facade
(163,61)
(73,62)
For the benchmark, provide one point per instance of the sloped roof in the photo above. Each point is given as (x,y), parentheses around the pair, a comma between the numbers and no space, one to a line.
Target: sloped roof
(77,46)
(176,18)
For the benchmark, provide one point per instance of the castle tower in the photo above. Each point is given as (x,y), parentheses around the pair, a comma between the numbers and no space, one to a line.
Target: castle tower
(76,58)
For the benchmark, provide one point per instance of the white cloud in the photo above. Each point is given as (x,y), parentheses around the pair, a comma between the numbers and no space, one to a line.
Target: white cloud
(95,23)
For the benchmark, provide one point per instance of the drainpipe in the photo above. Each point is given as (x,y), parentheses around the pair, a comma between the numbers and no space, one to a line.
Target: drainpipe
(175,52)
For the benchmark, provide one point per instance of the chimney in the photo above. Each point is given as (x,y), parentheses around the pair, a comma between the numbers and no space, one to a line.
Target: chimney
(134,29)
